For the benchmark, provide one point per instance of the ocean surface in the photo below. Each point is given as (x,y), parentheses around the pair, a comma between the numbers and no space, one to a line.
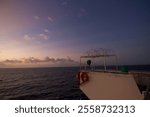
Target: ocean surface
(44,83)
(39,83)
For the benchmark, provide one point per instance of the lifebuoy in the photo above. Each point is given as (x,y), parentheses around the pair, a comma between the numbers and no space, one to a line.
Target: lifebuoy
(83,77)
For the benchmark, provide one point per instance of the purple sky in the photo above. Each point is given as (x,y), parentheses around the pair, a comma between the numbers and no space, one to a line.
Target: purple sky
(56,32)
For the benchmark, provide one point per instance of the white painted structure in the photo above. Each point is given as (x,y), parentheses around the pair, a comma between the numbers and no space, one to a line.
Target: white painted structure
(111,85)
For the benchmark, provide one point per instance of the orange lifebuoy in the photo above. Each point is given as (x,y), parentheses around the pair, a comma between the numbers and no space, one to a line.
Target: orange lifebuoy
(83,77)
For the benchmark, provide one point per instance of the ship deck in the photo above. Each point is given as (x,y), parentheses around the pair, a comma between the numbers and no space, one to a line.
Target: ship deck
(142,80)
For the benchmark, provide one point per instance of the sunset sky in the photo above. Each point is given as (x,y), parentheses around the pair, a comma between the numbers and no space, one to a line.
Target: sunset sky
(35,33)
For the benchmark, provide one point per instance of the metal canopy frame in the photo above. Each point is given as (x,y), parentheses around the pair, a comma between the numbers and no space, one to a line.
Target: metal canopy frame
(97,55)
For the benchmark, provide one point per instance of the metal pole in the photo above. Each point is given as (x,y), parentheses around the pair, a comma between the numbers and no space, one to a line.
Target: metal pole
(94,63)
(105,63)
(116,63)
(80,63)
(104,60)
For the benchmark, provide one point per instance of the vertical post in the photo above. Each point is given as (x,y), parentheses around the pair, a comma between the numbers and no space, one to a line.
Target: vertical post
(93,63)
(116,63)
(104,59)
(80,63)
(104,62)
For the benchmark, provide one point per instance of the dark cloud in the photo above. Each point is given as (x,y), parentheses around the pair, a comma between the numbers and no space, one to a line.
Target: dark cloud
(61,60)
(12,61)
(37,60)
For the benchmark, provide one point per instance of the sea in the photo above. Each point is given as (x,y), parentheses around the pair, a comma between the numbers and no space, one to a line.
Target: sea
(55,83)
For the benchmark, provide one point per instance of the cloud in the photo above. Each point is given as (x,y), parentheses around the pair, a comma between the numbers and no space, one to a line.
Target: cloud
(36,17)
(12,61)
(30,60)
(44,36)
(46,30)
(27,37)
(48,59)
(70,60)
(37,60)
(39,36)
(50,19)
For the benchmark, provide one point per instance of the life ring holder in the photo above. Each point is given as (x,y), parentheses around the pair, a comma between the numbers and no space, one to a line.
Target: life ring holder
(83,77)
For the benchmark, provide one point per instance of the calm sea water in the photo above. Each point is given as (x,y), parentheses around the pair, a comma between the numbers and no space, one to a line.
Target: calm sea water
(43,83)
(40,83)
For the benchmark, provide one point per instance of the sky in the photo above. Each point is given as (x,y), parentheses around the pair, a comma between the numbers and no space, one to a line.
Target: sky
(47,33)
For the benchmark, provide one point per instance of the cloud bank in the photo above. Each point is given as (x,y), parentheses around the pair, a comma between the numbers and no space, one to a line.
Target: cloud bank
(37,60)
